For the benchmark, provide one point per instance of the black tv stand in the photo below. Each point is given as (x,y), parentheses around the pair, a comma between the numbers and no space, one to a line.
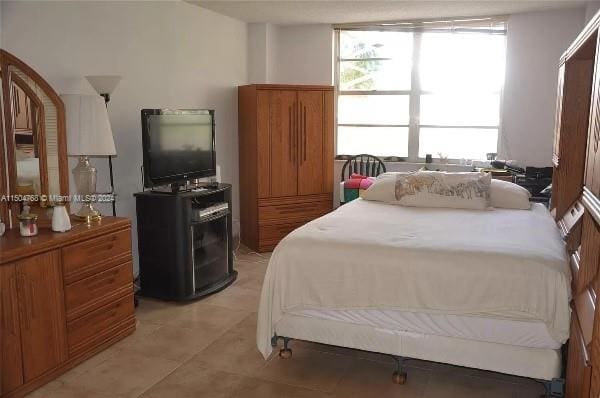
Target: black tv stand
(185,242)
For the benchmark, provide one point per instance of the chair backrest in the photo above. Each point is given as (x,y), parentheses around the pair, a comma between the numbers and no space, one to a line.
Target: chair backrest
(367,165)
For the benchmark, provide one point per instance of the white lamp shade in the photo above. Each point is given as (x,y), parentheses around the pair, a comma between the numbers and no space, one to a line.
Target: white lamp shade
(88,127)
(104,84)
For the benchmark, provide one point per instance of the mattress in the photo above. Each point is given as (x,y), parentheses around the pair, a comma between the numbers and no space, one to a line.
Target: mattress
(486,329)
(503,264)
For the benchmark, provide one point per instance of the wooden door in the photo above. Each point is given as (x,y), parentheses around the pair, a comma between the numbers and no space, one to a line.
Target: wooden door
(11,367)
(315,161)
(283,132)
(42,313)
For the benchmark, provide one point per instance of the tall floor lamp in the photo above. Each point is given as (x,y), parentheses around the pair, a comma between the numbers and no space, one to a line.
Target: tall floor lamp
(105,85)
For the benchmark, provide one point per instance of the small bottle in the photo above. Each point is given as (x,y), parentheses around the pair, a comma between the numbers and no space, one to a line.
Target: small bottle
(28,223)
(2,228)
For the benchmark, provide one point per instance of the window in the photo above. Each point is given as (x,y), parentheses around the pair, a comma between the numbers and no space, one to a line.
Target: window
(416,89)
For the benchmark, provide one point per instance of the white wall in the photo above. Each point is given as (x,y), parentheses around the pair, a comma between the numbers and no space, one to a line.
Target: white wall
(258,52)
(262,47)
(170,54)
(591,8)
(535,42)
(303,54)
(297,54)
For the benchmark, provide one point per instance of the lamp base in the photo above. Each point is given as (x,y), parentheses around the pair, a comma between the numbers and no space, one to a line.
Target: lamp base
(87,213)
(85,180)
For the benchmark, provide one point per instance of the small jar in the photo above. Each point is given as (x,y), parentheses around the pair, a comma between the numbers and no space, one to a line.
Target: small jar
(28,224)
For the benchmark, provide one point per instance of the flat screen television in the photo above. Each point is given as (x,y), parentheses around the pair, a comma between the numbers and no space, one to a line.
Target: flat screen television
(178,145)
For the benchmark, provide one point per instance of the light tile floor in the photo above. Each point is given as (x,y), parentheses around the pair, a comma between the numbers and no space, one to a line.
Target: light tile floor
(207,349)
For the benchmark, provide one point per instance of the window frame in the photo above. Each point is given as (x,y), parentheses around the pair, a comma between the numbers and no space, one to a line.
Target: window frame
(415,92)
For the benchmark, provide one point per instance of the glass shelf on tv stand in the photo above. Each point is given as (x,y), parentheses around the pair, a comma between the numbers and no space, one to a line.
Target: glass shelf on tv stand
(188,186)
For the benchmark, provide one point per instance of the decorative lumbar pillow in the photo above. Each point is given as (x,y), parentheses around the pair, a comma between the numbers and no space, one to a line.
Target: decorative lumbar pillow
(434,189)
(442,189)
(507,195)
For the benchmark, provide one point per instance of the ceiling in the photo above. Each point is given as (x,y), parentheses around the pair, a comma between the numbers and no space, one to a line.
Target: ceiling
(289,12)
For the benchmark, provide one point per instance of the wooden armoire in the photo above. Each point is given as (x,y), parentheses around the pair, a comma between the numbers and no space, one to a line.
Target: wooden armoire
(286,159)
(576,203)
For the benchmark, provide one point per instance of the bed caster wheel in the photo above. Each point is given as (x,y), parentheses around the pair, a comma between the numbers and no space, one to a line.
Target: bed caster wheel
(399,378)
(285,353)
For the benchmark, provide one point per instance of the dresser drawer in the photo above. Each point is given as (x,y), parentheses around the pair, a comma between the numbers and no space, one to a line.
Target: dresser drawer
(302,211)
(94,327)
(94,255)
(95,291)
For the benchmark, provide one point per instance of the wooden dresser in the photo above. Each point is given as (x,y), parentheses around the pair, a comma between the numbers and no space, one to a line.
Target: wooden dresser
(576,203)
(63,298)
(286,159)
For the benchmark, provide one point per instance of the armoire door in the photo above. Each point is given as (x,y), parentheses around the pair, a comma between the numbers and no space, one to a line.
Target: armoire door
(314,146)
(42,313)
(11,366)
(282,145)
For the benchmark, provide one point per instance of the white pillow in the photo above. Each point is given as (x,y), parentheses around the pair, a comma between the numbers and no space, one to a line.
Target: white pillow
(434,189)
(509,196)
(384,186)
(382,189)
(393,174)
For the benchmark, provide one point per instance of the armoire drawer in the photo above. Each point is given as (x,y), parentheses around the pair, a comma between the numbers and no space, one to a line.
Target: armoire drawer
(272,234)
(293,211)
(80,257)
(97,290)
(93,328)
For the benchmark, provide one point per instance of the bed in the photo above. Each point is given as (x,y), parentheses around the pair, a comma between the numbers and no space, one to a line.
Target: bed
(482,289)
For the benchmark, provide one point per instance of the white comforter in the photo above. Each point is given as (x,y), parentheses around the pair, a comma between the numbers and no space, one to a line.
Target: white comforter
(501,263)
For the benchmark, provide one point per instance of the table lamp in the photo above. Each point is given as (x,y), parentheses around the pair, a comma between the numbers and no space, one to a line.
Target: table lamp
(88,134)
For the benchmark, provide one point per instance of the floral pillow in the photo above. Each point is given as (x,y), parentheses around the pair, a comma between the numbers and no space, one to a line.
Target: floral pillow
(434,189)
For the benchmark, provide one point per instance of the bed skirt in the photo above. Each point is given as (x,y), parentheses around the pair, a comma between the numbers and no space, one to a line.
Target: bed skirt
(536,363)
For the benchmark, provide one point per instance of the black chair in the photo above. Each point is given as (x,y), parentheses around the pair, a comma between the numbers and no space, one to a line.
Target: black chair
(367,165)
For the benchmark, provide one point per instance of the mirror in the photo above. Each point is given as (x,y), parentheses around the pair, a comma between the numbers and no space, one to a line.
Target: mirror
(35,155)
(27,131)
